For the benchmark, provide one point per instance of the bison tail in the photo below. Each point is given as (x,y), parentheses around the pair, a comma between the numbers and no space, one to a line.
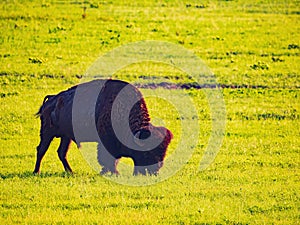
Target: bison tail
(47,98)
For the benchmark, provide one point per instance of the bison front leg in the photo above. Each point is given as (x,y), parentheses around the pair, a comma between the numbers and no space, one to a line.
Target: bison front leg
(41,151)
(107,161)
(62,153)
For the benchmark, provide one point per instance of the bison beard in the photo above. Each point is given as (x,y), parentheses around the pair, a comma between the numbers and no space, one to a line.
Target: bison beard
(109,113)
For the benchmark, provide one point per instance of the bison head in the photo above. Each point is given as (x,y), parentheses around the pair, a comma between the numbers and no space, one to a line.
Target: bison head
(151,159)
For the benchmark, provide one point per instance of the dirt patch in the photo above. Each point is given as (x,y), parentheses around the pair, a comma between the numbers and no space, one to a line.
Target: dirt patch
(188,86)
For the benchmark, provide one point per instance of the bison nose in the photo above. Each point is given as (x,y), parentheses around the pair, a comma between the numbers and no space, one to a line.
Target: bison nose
(160,164)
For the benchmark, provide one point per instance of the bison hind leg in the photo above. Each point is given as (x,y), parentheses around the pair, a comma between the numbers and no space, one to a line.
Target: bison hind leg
(41,151)
(62,153)
(107,161)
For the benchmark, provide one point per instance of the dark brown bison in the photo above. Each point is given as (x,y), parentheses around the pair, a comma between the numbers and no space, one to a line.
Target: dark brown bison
(110,112)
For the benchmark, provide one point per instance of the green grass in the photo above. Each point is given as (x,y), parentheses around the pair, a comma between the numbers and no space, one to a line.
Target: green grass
(45,47)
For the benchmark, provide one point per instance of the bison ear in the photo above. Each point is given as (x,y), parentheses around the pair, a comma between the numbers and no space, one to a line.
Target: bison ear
(141,135)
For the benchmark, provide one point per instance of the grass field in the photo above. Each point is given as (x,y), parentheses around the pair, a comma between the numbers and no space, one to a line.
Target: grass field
(253,49)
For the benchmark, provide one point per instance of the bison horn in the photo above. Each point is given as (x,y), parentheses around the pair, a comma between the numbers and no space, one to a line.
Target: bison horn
(140,136)
(137,139)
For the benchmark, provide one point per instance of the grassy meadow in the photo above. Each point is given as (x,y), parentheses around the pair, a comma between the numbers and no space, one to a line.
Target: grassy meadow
(253,49)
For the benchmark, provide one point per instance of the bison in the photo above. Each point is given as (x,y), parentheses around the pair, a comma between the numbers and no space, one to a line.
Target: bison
(110,112)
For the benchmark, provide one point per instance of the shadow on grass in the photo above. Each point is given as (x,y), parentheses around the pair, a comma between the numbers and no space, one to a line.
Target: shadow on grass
(29,174)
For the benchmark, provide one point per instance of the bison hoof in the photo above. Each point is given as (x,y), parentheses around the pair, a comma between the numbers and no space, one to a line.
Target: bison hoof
(106,171)
(69,171)
(36,172)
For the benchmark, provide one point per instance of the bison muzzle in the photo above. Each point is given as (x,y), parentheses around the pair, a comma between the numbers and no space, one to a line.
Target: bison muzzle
(112,113)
